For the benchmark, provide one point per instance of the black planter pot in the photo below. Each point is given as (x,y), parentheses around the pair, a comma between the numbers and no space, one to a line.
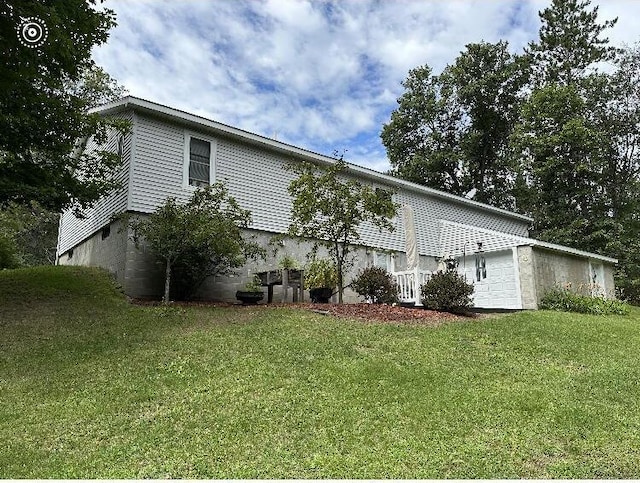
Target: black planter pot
(249,298)
(320,295)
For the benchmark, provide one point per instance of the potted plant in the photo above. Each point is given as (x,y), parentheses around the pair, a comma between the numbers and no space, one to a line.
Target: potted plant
(252,292)
(288,263)
(321,277)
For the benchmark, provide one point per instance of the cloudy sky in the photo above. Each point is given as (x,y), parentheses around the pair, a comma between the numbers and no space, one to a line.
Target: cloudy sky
(322,75)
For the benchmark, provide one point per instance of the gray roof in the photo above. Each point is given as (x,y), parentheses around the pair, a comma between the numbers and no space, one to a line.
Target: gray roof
(455,236)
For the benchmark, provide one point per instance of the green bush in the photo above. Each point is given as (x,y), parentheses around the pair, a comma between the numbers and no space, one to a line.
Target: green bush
(8,252)
(376,285)
(629,290)
(447,291)
(567,301)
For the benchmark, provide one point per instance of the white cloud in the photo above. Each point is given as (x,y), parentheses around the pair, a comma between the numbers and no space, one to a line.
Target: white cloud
(323,75)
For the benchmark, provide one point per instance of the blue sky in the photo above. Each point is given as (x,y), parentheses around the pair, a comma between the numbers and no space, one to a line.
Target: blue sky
(322,75)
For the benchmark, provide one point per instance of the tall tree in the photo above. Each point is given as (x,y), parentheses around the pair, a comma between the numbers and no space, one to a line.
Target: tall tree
(451,131)
(562,143)
(30,231)
(329,207)
(45,47)
(570,43)
(563,151)
(423,138)
(619,115)
(490,83)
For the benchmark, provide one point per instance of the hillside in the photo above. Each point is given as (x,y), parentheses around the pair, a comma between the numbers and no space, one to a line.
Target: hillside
(93,387)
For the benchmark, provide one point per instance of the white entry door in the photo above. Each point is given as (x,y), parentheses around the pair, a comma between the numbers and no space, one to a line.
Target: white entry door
(501,287)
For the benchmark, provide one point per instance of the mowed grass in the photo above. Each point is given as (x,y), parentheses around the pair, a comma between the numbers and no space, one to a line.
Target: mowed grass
(92,387)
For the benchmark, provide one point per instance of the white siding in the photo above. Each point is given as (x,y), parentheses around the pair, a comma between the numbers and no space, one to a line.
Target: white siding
(74,230)
(157,170)
(257,179)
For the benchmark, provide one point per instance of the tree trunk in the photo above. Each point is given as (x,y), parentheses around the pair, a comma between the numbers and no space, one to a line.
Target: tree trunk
(339,266)
(167,283)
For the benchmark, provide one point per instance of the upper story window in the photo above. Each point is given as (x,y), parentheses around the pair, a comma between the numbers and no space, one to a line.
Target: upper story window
(199,161)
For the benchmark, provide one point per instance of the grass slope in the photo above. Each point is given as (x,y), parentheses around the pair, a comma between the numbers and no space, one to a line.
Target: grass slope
(91,387)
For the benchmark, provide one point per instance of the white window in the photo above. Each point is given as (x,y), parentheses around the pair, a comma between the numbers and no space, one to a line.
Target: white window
(383,260)
(199,168)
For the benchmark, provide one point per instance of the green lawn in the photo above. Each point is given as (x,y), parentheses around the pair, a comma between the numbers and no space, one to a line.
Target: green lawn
(91,387)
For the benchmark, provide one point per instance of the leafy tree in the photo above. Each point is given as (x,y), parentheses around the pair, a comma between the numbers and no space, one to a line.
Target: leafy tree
(30,230)
(424,137)
(329,207)
(619,116)
(562,142)
(489,82)
(451,131)
(563,151)
(29,234)
(41,116)
(204,234)
(96,87)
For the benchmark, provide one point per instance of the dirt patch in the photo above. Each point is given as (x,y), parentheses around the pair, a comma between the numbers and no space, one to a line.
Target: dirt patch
(365,312)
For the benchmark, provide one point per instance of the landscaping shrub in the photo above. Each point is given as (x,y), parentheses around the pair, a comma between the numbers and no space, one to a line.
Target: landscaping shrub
(376,285)
(448,291)
(565,300)
(629,290)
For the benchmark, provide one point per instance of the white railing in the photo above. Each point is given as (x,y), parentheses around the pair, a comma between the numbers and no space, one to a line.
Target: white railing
(409,283)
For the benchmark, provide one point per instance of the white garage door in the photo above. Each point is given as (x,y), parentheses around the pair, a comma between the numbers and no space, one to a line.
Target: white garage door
(500,290)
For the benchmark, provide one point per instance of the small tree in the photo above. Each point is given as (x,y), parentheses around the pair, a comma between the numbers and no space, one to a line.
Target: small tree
(206,230)
(329,207)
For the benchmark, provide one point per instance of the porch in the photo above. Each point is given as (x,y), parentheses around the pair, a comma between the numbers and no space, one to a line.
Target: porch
(409,282)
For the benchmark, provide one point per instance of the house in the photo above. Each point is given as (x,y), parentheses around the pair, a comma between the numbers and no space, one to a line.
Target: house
(168,151)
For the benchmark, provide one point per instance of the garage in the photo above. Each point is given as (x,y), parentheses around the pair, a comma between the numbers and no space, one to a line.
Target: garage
(499,284)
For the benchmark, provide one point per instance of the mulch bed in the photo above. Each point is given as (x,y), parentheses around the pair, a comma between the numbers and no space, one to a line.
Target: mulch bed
(366,312)
(380,313)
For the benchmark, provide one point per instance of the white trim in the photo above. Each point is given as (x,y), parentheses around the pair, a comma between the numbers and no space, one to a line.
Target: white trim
(59,238)
(187,155)
(516,270)
(197,122)
(132,159)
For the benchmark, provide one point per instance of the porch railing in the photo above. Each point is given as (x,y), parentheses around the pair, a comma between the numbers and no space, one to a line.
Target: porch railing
(409,282)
